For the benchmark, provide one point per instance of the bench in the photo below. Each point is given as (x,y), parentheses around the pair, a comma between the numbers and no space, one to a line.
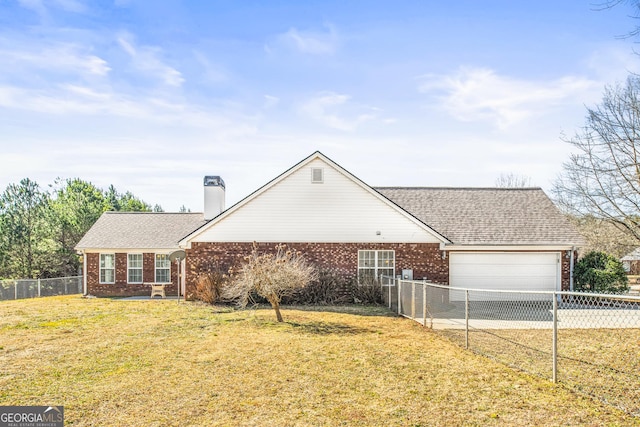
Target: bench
(157,289)
(633,279)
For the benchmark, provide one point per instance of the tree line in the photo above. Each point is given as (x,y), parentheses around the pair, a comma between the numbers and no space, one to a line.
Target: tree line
(39,228)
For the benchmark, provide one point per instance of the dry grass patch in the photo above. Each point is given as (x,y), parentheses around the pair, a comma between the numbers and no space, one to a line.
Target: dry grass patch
(603,363)
(160,363)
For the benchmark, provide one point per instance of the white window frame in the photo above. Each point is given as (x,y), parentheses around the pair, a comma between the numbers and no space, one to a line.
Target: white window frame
(156,268)
(379,260)
(104,268)
(315,179)
(136,268)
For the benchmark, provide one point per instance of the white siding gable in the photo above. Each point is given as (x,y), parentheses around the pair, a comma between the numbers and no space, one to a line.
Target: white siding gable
(299,207)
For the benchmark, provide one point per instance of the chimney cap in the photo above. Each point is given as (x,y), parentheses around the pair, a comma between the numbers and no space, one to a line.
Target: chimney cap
(213,181)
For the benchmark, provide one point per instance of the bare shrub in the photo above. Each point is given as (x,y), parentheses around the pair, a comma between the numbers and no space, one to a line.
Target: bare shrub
(271,275)
(211,282)
(365,291)
(209,286)
(327,289)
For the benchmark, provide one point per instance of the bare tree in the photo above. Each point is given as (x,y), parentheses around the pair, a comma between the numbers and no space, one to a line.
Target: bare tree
(602,177)
(603,236)
(272,275)
(511,180)
(635,6)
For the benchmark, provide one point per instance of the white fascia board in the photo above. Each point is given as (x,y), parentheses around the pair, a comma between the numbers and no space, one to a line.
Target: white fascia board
(507,248)
(185,243)
(130,250)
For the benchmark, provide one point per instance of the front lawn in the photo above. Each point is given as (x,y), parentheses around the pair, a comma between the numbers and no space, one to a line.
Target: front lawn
(163,363)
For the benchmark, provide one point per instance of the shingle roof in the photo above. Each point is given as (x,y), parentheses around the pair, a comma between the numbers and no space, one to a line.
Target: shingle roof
(132,230)
(632,256)
(489,216)
(466,216)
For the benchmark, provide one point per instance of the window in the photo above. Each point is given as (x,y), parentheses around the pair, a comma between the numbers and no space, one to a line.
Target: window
(163,268)
(134,268)
(317,175)
(107,268)
(371,264)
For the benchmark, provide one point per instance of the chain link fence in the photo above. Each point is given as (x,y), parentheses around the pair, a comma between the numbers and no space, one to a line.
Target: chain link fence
(31,288)
(588,342)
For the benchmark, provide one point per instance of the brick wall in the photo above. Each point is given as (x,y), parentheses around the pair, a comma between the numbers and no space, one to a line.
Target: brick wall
(634,268)
(121,287)
(424,258)
(566,270)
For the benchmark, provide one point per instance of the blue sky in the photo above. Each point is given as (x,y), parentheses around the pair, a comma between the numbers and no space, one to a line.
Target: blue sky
(152,95)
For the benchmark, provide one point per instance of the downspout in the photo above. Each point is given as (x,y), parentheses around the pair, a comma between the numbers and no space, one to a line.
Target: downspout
(183,279)
(571,269)
(84,273)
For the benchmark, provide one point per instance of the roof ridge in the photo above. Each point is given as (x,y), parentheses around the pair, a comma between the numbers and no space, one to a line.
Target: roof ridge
(155,213)
(458,188)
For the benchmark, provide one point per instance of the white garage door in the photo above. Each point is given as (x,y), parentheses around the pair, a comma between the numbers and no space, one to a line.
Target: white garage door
(525,271)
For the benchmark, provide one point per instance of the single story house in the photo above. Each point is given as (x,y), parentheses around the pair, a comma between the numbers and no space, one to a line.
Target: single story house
(631,262)
(487,238)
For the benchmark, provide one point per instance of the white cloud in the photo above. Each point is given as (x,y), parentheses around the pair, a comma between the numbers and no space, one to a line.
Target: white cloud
(41,8)
(479,94)
(147,59)
(87,92)
(311,42)
(270,101)
(613,63)
(34,5)
(73,100)
(212,72)
(68,57)
(72,5)
(334,110)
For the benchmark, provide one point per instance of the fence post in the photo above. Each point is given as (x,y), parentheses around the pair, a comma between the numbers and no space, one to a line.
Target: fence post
(391,280)
(15,289)
(424,303)
(399,296)
(413,299)
(39,287)
(466,318)
(555,337)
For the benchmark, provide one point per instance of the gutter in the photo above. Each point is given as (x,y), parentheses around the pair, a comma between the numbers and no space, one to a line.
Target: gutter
(84,272)
(573,248)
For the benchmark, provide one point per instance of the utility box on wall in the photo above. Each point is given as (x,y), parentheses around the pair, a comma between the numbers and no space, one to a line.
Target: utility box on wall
(407,274)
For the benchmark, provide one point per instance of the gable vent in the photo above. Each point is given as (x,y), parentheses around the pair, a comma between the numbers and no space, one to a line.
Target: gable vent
(317,175)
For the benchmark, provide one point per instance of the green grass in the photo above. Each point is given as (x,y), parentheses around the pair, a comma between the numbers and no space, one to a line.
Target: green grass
(160,363)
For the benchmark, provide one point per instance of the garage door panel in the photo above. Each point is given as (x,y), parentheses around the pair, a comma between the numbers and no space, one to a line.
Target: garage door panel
(509,270)
(504,271)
